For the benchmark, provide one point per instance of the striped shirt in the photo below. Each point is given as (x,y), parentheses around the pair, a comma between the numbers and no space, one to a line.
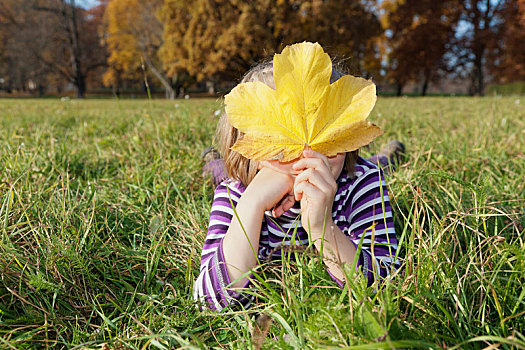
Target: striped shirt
(361,208)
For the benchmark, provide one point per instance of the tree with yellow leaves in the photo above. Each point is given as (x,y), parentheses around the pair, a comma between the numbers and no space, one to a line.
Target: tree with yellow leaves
(133,36)
(212,37)
(222,39)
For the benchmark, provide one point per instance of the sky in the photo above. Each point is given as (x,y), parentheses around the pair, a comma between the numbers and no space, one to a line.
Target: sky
(87,3)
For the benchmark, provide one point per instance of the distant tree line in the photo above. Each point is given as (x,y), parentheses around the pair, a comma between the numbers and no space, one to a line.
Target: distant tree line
(50,44)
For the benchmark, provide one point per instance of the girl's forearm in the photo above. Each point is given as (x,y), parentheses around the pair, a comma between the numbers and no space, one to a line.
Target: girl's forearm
(337,249)
(241,243)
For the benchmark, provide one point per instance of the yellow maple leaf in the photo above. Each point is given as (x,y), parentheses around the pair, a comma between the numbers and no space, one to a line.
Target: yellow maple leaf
(304,110)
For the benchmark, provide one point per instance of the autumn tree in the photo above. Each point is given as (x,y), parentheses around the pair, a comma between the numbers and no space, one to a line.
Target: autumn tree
(24,57)
(347,29)
(3,56)
(97,55)
(74,39)
(477,36)
(50,37)
(222,39)
(506,58)
(419,33)
(134,35)
(215,38)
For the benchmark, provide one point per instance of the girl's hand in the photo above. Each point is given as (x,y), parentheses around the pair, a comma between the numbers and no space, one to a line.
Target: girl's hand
(289,199)
(316,187)
(268,188)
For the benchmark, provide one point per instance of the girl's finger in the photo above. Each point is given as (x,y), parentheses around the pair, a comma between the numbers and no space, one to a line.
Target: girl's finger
(323,179)
(285,168)
(325,184)
(289,203)
(284,204)
(306,189)
(310,153)
(315,163)
(277,209)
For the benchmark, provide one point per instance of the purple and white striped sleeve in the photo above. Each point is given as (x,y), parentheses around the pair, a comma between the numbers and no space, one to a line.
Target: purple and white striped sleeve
(213,280)
(371,216)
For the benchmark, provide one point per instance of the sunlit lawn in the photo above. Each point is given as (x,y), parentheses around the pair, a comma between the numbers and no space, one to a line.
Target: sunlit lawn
(103,211)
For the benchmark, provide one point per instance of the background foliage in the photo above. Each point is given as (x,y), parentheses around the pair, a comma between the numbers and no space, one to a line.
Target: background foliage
(48,46)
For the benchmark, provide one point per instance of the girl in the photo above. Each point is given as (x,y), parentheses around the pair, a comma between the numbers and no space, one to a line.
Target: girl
(350,189)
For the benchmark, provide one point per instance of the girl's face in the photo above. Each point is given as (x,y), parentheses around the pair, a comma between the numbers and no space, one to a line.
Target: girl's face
(336,164)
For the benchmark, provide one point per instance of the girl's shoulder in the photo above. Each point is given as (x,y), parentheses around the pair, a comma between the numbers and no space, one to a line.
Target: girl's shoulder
(363,167)
(366,175)
(367,181)
(229,185)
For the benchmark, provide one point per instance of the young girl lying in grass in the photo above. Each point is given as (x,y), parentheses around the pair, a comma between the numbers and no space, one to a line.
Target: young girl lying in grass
(289,139)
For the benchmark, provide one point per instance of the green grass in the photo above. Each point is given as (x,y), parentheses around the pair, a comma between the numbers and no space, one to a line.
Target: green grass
(509,89)
(103,211)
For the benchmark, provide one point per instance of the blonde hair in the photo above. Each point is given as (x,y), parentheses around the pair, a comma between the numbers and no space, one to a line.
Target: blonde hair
(239,167)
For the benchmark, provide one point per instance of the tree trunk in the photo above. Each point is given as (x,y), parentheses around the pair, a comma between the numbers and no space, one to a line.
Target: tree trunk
(170,93)
(41,89)
(210,86)
(116,88)
(425,86)
(481,17)
(479,73)
(399,89)
(178,84)
(70,25)
(80,85)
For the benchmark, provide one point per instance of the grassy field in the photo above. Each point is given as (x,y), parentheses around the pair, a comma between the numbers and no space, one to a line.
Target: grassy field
(103,211)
